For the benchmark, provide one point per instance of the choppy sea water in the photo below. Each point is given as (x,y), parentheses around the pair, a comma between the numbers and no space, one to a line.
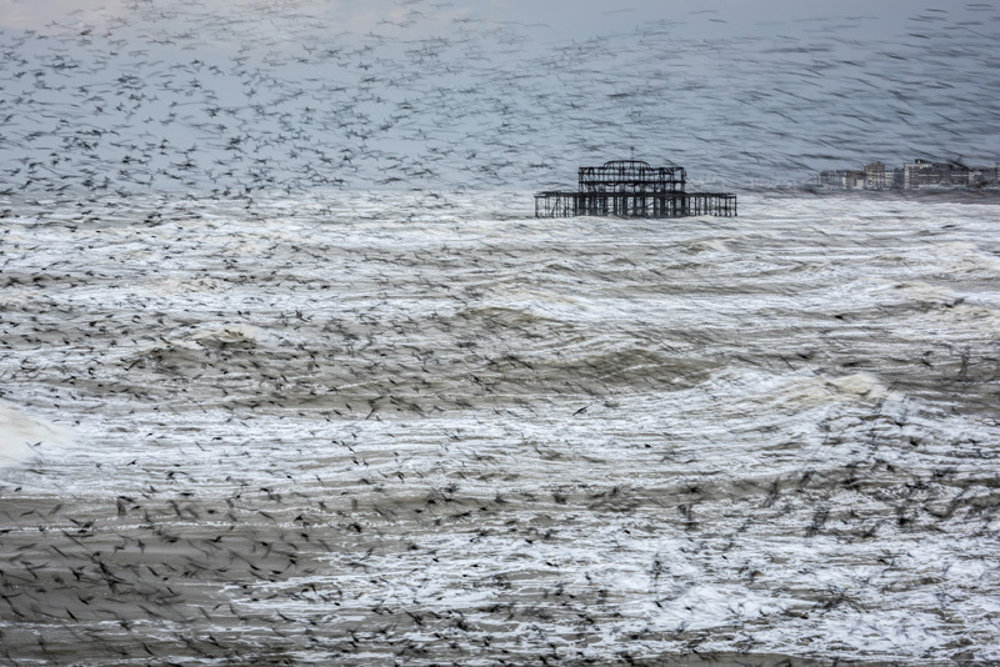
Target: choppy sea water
(366,428)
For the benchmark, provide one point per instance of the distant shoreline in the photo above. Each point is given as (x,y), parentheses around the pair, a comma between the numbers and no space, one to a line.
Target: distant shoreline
(961,195)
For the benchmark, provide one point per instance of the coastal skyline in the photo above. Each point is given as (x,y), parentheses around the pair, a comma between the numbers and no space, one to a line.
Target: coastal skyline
(918,174)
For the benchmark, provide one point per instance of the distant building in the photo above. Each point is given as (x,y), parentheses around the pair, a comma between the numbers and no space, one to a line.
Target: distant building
(924,174)
(829,179)
(913,173)
(876,177)
(984,176)
(842,179)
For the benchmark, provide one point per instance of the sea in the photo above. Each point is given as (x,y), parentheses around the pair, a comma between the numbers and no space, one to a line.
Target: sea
(395,426)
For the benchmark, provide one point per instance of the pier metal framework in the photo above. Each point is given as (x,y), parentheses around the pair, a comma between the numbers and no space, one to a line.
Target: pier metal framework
(633,189)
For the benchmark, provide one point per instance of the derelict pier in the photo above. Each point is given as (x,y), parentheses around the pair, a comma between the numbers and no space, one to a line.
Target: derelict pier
(633,189)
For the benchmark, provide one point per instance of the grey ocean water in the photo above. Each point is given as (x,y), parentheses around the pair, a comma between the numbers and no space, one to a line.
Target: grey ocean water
(290,375)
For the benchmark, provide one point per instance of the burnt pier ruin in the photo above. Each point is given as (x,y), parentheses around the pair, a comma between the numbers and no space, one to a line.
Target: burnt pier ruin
(633,189)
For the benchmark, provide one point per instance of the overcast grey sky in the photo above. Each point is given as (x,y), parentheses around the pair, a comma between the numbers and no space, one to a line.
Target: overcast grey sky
(562,18)
(487,93)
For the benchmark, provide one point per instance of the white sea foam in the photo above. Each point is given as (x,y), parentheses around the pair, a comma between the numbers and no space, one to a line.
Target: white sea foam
(23,436)
(516,431)
(817,390)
